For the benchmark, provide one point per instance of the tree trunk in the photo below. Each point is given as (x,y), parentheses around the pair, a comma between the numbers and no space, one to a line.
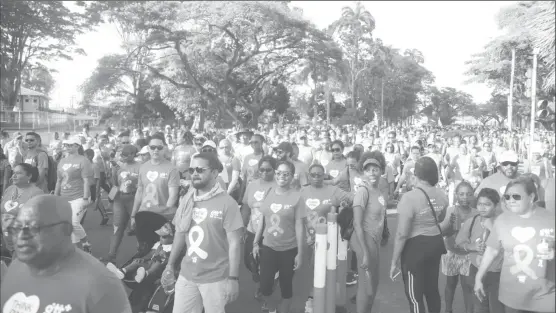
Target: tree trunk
(202,112)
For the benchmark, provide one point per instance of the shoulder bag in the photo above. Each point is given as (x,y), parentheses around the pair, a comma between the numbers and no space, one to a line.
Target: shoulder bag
(435,219)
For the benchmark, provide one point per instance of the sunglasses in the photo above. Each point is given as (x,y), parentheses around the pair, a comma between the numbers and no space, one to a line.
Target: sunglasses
(278,151)
(514,196)
(29,140)
(34,230)
(509,163)
(265,169)
(316,175)
(199,170)
(283,174)
(166,236)
(67,145)
(159,148)
(207,150)
(336,150)
(125,142)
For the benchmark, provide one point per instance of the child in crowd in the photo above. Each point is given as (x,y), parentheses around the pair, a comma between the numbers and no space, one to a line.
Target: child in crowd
(455,263)
(472,238)
(153,263)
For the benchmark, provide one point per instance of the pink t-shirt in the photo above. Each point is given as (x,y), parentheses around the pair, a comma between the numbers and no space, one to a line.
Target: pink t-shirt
(528,272)
(207,260)
(156,181)
(280,213)
(319,201)
(254,194)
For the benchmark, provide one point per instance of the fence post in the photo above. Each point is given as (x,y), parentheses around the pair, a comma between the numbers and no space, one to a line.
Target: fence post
(331,256)
(319,281)
(341,272)
(19,119)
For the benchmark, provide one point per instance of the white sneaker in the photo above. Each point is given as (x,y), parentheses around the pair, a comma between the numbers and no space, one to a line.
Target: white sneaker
(140,274)
(309,305)
(112,268)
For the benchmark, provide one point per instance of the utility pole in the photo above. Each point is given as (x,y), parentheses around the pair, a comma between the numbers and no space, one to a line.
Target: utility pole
(381,103)
(533,103)
(510,99)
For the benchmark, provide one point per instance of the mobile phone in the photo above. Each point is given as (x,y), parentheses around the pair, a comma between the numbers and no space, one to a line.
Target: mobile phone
(396,275)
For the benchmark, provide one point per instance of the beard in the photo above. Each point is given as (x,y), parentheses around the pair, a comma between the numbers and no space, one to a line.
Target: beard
(199,184)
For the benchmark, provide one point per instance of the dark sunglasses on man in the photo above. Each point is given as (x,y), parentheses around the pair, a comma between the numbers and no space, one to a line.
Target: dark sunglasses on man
(199,170)
(509,163)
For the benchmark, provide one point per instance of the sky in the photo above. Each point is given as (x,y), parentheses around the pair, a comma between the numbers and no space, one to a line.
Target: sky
(446,32)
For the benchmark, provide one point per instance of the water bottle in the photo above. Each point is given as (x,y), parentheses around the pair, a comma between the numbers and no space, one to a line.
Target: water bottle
(485,235)
(168,281)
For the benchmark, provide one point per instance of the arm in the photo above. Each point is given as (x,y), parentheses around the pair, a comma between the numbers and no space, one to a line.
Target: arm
(405,220)
(177,248)
(42,166)
(300,235)
(6,178)
(137,202)
(173,188)
(234,181)
(488,257)
(234,251)
(360,200)
(86,190)
(58,188)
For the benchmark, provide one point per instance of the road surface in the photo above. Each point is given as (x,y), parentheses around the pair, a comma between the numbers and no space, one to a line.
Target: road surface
(390,297)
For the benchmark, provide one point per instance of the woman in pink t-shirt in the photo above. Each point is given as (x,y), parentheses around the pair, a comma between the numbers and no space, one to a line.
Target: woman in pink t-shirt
(525,234)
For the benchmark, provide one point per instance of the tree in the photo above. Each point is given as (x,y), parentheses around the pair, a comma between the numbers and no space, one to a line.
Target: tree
(353,31)
(496,108)
(493,65)
(227,52)
(38,78)
(33,31)
(444,104)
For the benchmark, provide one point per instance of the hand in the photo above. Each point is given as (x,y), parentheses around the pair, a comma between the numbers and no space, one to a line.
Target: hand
(480,247)
(365,262)
(232,290)
(256,253)
(479,290)
(132,223)
(452,219)
(297,262)
(394,271)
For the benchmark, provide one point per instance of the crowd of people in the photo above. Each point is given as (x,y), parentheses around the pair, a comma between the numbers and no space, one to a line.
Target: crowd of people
(469,203)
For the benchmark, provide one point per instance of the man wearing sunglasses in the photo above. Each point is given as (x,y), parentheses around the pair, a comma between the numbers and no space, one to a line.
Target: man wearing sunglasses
(49,273)
(208,223)
(37,157)
(507,171)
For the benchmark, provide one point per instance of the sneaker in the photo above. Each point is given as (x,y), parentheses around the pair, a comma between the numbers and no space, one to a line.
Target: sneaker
(351,279)
(87,247)
(309,305)
(112,268)
(104,221)
(140,274)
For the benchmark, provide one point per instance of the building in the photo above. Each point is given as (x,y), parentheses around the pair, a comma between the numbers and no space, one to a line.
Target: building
(31,101)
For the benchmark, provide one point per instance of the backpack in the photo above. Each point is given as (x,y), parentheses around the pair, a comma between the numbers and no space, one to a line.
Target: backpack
(51,173)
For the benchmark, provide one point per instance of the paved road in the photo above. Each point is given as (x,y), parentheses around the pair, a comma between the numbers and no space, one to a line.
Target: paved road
(390,298)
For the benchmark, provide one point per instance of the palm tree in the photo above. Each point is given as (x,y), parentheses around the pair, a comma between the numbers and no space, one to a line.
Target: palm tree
(415,55)
(542,27)
(352,26)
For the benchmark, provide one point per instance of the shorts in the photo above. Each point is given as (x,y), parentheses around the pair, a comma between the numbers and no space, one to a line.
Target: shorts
(455,264)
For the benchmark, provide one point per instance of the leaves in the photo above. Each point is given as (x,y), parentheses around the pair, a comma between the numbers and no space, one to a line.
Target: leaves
(34,31)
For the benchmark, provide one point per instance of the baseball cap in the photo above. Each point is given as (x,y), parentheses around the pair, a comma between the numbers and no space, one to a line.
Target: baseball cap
(371,161)
(285,146)
(144,150)
(166,230)
(209,143)
(72,141)
(509,156)
(18,135)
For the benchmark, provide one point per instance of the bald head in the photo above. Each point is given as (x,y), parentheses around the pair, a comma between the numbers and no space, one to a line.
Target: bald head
(48,209)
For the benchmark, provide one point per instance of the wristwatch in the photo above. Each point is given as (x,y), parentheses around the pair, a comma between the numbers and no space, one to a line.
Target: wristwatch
(233,278)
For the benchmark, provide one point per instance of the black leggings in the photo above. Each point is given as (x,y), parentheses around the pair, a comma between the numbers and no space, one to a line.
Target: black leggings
(420,265)
(273,261)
